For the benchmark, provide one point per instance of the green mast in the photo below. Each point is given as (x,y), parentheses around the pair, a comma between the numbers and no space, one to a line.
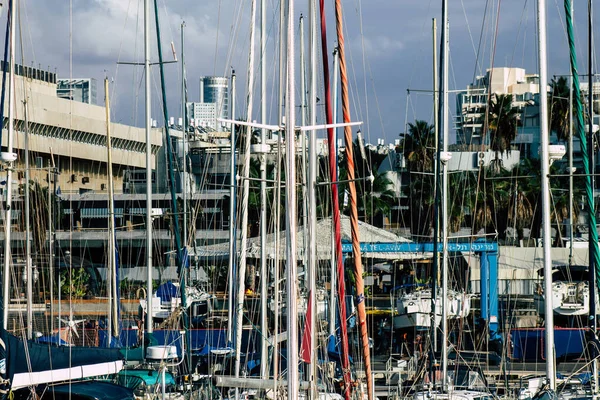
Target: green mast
(180,261)
(586,150)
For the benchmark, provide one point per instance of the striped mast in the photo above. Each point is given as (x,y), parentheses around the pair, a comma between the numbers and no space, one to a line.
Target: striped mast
(358,268)
(341,290)
(586,150)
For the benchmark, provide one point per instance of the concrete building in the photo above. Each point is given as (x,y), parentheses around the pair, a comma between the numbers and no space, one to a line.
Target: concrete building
(203,114)
(472,102)
(82,90)
(71,137)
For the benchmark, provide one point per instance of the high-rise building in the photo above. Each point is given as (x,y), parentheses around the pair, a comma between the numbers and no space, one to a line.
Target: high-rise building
(82,90)
(215,89)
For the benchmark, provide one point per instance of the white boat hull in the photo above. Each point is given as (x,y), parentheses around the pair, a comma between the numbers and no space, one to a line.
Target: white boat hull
(568,298)
(414,309)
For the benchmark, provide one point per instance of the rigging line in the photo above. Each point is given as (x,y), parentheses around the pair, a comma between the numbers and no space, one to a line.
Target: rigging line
(485,126)
(233,35)
(362,43)
(217,38)
(356,103)
(423,30)
(120,50)
(462,3)
(477,70)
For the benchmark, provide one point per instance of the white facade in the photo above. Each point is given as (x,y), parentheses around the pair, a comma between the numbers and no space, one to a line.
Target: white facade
(472,103)
(82,90)
(203,114)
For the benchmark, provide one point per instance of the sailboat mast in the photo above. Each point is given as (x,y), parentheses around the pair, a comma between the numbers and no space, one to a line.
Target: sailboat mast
(333,139)
(569,4)
(358,269)
(312,198)
(335,219)
(245,194)
(232,220)
(264,282)
(169,149)
(112,282)
(11,125)
(435,266)
(28,260)
(149,288)
(594,255)
(444,220)
(184,181)
(290,191)
(545,160)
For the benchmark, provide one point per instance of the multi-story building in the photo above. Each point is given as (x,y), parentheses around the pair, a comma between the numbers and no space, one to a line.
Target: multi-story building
(82,90)
(203,114)
(472,102)
(70,136)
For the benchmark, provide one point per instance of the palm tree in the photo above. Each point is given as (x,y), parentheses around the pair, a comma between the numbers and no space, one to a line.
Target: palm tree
(559,112)
(418,148)
(503,121)
(490,202)
(375,198)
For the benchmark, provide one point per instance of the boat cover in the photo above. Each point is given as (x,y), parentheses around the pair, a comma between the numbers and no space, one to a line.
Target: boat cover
(26,363)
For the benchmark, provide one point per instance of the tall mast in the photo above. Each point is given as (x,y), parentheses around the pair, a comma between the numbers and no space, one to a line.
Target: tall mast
(333,144)
(11,116)
(569,5)
(184,181)
(444,220)
(149,288)
(332,149)
(594,252)
(290,191)
(435,268)
(312,206)
(245,194)
(112,282)
(545,160)
(587,162)
(28,260)
(264,323)
(356,253)
(232,219)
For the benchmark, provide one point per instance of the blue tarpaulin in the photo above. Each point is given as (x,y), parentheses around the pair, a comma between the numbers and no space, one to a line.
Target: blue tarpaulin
(529,345)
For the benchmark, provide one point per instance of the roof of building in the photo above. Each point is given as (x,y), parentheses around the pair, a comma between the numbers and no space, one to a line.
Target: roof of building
(276,242)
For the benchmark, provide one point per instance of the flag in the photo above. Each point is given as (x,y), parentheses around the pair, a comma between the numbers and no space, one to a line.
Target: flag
(305,348)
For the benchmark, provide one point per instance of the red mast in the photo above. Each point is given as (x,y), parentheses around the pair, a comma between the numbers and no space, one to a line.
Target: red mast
(336,209)
(356,256)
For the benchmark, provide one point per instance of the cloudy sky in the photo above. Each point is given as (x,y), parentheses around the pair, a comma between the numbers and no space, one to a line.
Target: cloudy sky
(388,45)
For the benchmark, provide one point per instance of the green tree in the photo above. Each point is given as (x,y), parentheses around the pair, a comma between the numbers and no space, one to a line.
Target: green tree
(418,148)
(502,122)
(559,108)
(375,197)
(490,203)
